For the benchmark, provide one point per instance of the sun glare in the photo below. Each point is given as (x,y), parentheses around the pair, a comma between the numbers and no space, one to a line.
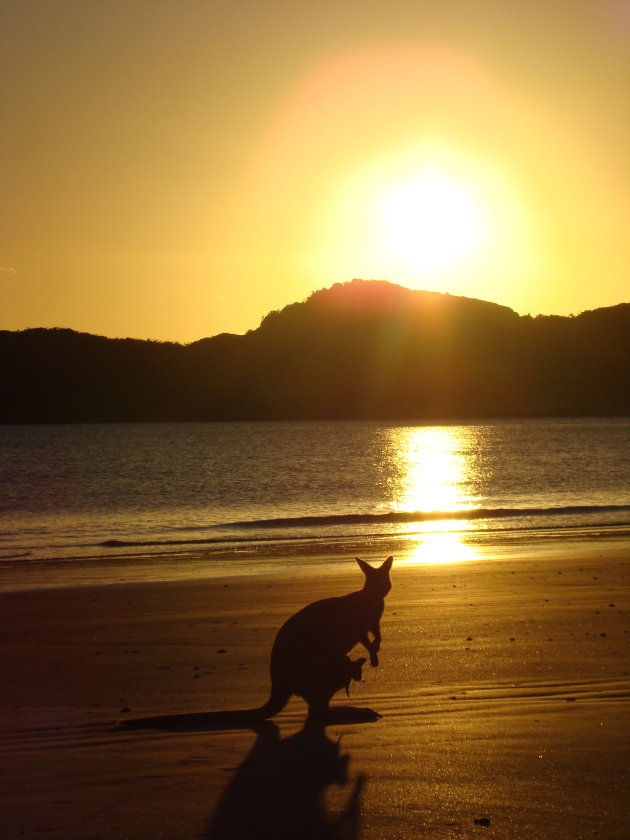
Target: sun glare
(432,221)
(431,217)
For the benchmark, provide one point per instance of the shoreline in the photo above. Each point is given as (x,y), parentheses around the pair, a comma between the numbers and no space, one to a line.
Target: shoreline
(504,690)
(311,557)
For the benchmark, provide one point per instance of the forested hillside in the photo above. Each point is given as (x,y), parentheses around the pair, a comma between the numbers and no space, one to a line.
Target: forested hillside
(358,350)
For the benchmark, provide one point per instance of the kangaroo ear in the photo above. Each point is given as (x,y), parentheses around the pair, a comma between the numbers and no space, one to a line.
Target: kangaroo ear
(387,565)
(365,567)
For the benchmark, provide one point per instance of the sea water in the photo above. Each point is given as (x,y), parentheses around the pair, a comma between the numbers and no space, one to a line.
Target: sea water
(228,490)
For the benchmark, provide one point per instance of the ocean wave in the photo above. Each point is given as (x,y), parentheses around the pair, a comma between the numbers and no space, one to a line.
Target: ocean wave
(406,517)
(242,531)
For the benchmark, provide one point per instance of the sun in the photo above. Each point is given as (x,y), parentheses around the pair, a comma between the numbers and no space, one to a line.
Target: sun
(431,222)
(430,216)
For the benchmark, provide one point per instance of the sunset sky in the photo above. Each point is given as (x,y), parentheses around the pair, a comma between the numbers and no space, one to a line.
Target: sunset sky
(173,170)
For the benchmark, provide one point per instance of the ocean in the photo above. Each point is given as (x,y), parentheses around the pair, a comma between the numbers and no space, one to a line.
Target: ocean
(156,501)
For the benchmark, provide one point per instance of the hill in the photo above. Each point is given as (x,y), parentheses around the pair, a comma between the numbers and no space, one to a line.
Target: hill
(366,349)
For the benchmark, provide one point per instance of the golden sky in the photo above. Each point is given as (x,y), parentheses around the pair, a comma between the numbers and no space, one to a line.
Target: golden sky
(173,170)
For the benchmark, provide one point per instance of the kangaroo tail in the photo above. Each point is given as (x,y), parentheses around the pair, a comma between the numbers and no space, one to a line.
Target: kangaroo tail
(232,719)
(199,721)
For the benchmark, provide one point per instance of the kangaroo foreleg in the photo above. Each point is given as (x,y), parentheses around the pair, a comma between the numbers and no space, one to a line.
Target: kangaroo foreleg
(372,648)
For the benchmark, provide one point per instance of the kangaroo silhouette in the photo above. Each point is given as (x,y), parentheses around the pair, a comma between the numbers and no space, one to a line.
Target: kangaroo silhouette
(309,658)
(309,655)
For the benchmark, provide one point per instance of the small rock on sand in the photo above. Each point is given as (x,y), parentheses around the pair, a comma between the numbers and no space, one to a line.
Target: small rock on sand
(485,821)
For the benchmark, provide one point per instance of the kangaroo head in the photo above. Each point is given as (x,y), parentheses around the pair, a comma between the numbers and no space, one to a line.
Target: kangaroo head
(355,668)
(377,581)
(353,671)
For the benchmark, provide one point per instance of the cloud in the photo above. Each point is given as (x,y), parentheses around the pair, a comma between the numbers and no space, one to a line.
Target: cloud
(4,269)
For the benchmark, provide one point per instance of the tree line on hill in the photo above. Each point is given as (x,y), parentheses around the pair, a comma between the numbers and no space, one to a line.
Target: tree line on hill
(360,350)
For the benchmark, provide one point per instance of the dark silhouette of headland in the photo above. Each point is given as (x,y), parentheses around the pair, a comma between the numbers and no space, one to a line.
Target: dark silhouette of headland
(360,350)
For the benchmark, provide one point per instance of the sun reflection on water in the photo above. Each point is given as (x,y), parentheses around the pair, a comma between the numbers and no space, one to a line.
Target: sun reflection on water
(434,471)
(439,547)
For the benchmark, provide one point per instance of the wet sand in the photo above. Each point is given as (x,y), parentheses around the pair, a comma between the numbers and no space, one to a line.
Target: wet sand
(503,686)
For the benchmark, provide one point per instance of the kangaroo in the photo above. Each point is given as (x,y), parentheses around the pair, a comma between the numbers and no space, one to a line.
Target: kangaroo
(308,657)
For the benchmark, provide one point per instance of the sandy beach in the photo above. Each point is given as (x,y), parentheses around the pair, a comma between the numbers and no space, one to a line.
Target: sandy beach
(503,690)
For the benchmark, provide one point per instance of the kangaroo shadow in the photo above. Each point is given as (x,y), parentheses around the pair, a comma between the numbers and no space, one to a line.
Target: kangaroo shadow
(278,791)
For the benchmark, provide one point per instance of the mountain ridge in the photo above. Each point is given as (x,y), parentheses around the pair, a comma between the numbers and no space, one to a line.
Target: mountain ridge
(358,350)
